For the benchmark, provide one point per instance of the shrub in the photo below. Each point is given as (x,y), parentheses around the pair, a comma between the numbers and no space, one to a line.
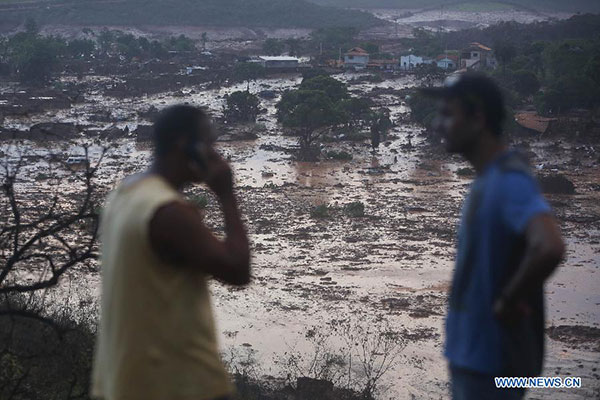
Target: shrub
(339,155)
(320,211)
(355,209)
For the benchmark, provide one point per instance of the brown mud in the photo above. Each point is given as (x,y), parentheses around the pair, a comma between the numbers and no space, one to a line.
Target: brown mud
(395,262)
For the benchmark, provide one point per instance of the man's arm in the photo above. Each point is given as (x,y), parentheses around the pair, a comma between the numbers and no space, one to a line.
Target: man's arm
(544,251)
(178,234)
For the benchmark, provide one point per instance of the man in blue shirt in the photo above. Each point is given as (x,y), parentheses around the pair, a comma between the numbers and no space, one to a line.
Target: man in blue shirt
(508,245)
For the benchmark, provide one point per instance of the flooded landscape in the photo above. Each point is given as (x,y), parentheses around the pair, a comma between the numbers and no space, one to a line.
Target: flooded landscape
(393,263)
(352,222)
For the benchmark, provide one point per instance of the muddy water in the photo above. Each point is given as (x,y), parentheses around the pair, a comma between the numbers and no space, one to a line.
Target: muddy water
(394,263)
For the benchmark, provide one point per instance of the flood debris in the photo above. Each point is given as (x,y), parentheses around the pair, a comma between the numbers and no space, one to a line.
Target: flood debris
(556,184)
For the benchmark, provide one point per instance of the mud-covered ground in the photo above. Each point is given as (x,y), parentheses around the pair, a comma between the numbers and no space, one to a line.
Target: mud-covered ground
(457,17)
(394,263)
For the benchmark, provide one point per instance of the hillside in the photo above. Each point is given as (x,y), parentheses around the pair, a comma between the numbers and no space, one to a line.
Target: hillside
(541,5)
(228,13)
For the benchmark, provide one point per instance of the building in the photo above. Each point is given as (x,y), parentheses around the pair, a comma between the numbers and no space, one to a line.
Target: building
(356,58)
(384,65)
(447,61)
(278,62)
(477,56)
(410,61)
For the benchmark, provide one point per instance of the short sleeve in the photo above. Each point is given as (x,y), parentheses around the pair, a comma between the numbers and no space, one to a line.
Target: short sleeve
(521,201)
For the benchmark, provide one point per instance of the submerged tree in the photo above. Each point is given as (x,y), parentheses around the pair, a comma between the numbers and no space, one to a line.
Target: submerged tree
(248,72)
(35,57)
(310,111)
(242,106)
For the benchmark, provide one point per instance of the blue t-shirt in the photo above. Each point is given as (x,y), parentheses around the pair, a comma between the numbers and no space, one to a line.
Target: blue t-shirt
(500,204)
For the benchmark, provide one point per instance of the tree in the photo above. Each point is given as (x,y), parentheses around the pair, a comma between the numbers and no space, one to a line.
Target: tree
(204,39)
(567,56)
(429,74)
(525,82)
(567,92)
(181,43)
(336,90)
(592,69)
(31,26)
(242,106)
(105,40)
(247,72)
(80,48)
(357,109)
(34,57)
(293,45)
(273,47)
(334,37)
(505,52)
(45,353)
(157,50)
(310,111)
(371,48)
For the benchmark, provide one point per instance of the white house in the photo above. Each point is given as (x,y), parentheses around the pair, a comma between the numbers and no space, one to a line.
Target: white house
(356,58)
(477,56)
(447,61)
(410,61)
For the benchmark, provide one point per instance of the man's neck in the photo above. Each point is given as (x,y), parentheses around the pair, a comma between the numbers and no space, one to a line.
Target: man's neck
(485,152)
(163,169)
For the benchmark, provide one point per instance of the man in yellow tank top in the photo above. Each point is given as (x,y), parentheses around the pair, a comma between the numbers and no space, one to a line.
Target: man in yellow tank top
(157,338)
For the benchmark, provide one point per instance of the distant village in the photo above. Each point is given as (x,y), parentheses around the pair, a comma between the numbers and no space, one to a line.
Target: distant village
(474,57)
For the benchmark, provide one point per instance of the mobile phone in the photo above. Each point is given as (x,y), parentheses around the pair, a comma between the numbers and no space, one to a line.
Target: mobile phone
(197,152)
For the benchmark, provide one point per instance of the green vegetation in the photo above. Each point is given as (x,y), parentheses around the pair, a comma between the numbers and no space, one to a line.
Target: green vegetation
(320,104)
(320,211)
(273,47)
(248,72)
(315,106)
(235,13)
(241,106)
(355,209)
(555,62)
(339,155)
(35,59)
(309,111)
(45,357)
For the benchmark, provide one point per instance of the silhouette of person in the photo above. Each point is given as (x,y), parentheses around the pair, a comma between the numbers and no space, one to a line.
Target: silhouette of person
(508,245)
(157,338)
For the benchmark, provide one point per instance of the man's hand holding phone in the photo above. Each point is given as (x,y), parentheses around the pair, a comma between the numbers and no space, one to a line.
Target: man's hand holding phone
(219,177)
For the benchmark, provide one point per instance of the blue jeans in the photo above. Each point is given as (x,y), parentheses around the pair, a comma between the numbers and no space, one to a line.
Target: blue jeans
(470,385)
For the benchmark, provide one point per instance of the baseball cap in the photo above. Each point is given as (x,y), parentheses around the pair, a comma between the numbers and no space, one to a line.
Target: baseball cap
(474,90)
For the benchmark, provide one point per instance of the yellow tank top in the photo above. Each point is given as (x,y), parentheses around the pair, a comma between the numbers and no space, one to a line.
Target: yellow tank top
(156,338)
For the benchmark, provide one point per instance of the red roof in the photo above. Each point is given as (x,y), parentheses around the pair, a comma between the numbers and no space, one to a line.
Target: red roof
(357,51)
(533,121)
(479,46)
(448,56)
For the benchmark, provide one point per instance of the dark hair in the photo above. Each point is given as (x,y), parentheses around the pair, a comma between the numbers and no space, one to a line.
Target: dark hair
(477,92)
(178,121)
